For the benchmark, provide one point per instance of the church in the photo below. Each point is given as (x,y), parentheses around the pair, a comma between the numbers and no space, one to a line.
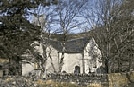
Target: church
(81,55)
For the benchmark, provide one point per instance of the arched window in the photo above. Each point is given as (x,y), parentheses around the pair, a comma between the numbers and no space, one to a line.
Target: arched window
(77,70)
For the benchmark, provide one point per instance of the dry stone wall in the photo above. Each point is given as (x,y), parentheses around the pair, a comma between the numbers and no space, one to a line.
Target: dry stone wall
(100,80)
(84,80)
(80,79)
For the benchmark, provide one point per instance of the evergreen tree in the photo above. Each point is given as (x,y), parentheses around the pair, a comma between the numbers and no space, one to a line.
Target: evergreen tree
(16,32)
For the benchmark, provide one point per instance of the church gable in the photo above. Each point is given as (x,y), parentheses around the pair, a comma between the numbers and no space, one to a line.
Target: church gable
(92,56)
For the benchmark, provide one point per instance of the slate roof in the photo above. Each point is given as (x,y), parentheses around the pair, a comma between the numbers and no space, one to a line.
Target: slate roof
(57,45)
(71,46)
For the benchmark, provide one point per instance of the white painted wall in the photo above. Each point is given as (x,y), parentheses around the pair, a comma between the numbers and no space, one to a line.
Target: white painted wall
(70,61)
(30,68)
(26,68)
(90,61)
(54,59)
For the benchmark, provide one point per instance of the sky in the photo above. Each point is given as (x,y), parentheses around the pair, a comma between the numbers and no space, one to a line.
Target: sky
(84,22)
(85,18)
(50,13)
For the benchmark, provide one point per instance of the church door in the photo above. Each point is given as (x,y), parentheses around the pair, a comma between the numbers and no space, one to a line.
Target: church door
(77,70)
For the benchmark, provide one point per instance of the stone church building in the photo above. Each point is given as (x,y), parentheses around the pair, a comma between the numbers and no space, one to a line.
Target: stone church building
(80,56)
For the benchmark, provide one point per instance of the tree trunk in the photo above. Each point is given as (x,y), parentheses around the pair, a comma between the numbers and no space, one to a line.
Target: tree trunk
(106,66)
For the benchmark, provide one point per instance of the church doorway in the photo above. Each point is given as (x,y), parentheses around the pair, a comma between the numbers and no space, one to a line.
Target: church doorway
(77,70)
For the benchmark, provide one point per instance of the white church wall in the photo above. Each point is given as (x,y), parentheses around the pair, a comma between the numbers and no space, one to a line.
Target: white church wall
(52,63)
(70,61)
(92,62)
(27,68)
(30,68)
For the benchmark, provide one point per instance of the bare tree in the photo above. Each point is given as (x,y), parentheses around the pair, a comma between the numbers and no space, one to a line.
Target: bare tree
(40,46)
(111,31)
(39,52)
(66,21)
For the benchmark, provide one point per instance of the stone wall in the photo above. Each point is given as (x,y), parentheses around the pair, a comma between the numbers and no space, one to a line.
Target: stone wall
(80,79)
(95,80)
(117,79)
(17,81)
(84,80)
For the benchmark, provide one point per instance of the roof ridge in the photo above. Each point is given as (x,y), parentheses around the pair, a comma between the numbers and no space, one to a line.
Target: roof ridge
(76,39)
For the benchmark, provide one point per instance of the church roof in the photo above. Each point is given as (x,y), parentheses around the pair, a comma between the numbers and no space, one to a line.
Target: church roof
(76,46)
(57,45)
(71,46)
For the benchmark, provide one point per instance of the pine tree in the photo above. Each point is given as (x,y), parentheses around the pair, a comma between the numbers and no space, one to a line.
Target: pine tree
(16,32)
